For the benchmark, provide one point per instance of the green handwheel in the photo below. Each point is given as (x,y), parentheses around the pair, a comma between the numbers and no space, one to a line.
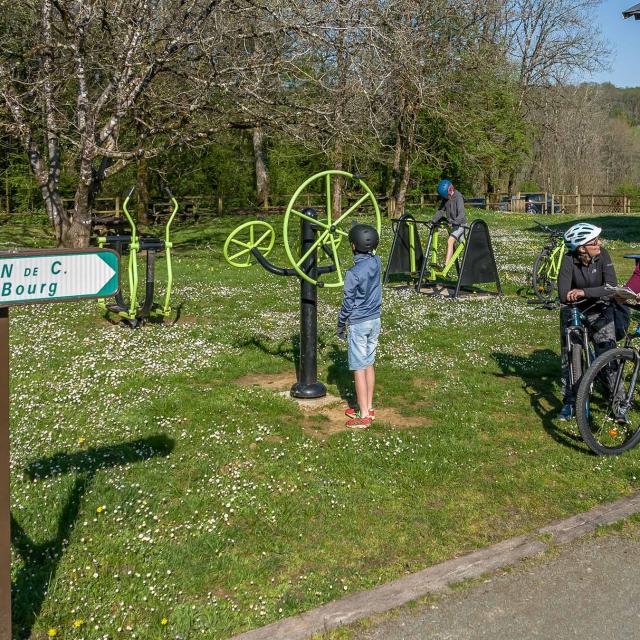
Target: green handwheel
(255,234)
(329,231)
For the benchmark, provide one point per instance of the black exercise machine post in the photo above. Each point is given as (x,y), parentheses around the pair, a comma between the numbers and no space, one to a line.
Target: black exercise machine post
(307,386)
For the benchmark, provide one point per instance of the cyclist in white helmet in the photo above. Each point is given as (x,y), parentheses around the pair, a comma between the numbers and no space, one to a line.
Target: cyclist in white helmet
(584,272)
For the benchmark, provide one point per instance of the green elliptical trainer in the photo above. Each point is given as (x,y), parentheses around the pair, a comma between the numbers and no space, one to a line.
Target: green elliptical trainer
(473,258)
(131,312)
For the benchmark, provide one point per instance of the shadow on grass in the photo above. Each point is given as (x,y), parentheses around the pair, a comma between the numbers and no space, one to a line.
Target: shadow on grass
(338,373)
(540,375)
(211,232)
(25,233)
(614,227)
(40,561)
(287,349)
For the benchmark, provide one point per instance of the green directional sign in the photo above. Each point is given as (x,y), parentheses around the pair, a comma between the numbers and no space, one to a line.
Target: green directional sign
(57,275)
(28,277)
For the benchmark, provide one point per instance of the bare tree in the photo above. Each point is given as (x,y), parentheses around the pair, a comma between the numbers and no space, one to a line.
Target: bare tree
(431,50)
(551,41)
(98,84)
(578,145)
(329,80)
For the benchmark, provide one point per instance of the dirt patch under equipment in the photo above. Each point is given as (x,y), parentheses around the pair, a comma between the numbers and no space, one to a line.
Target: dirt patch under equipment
(332,420)
(424,383)
(437,290)
(325,416)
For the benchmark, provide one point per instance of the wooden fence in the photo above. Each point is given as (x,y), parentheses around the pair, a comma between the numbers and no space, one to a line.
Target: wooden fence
(578,204)
(192,208)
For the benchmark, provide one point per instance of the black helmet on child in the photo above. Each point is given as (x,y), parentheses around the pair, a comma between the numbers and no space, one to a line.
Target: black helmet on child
(364,237)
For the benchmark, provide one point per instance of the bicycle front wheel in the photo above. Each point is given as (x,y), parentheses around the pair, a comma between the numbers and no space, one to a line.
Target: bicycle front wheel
(578,360)
(606,411)
(543,285)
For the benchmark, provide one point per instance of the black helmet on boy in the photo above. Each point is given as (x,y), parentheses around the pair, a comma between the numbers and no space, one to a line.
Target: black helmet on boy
(364,237)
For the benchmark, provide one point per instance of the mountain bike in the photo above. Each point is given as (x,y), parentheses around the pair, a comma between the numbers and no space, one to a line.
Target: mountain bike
(547,265)
(607,411)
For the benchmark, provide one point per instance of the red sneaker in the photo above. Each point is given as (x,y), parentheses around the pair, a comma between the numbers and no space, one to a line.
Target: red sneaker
(359,423)
(354,413)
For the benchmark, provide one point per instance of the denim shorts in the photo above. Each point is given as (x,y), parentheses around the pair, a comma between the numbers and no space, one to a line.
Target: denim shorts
(363,340)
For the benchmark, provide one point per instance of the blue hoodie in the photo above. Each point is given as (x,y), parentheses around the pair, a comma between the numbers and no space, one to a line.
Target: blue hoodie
(362,290)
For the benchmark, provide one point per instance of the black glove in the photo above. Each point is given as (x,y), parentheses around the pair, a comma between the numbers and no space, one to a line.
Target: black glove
(341,331)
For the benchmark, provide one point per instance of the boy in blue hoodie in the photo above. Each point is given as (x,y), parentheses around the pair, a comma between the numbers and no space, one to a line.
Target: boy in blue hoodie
(361,307)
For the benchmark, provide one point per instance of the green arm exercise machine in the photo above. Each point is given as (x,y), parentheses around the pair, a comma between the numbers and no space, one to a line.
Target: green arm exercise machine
(310,234)
(131,312)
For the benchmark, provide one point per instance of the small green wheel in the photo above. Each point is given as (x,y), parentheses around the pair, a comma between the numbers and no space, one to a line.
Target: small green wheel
(255,234)
(330,231)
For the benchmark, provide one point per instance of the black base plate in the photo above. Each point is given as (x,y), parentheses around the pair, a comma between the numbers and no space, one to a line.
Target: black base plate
(308,391)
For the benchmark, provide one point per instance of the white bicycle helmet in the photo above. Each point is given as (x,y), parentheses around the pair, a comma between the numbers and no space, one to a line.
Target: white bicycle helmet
(580,234)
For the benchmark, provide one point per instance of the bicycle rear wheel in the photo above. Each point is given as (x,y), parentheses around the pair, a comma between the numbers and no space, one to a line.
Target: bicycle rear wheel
(598,406)
(543,286)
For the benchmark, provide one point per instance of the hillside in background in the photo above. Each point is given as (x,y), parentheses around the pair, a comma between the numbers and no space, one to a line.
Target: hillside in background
(625,103)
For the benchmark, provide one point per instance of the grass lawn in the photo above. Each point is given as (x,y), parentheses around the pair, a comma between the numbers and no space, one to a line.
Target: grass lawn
(155,497)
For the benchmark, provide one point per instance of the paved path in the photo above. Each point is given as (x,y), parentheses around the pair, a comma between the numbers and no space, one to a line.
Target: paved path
(394,594)
(590,589)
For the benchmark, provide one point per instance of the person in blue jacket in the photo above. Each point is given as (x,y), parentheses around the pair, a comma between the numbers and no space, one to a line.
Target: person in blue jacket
(361,307)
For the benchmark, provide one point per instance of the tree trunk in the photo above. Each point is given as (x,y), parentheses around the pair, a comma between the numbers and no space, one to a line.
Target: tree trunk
(408,144)
(401,197)
(395,172)
(76,227)
(142,190)
(55,210)
(75,234)
(7,192)
(262,177)
(336,187)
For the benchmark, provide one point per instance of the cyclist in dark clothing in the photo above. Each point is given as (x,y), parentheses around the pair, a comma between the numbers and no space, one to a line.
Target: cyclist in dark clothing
(584,271)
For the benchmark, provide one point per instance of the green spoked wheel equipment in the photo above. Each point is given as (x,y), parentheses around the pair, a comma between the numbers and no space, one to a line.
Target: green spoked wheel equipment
(315,236)
(330,231)
(255,234)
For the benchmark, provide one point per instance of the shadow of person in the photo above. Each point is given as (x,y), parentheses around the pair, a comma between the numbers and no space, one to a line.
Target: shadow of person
(540,375)
(287,349)
(338,373)
(40,560)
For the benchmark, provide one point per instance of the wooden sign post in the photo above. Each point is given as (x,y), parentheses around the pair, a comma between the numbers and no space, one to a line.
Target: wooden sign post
(31,277)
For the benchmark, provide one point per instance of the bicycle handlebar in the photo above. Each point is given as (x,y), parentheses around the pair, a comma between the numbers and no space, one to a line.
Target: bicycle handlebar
(571,305)
(549,230)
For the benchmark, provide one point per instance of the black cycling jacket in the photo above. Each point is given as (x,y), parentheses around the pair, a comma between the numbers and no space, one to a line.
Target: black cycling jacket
(591,278)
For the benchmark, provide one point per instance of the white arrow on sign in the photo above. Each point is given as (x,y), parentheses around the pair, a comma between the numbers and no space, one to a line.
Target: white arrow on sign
(55,277)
